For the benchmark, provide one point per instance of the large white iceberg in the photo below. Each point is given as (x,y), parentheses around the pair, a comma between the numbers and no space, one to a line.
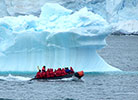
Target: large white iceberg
(58,38)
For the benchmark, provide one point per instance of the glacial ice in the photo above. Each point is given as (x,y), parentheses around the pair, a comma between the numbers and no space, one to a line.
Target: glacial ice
(123,14)
(59,37)
(126,27)
(115,12)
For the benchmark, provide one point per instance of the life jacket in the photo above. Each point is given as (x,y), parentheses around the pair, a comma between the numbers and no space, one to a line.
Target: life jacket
(43,74)
(48,69)
(58,72)
(63,72)
(51,73)
(38,75)
(71,70)
(47,74)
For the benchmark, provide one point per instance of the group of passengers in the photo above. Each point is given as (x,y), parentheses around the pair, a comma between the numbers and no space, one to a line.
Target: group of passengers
(50,73)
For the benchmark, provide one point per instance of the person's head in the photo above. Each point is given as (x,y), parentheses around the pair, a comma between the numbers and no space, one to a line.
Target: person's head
(39,70)
(44,66)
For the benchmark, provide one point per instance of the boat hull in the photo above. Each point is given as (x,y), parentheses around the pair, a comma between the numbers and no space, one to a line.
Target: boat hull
(60,77)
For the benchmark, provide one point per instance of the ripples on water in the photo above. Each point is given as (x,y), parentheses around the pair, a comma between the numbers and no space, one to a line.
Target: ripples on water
(93,86)
(122,52)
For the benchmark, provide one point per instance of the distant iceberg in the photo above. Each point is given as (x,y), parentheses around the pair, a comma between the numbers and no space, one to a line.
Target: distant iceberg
(117,12)
(59,37)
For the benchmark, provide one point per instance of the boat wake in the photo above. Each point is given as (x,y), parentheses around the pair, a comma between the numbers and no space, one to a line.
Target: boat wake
(61,80)
(65,80)
(14,78)
(72,79)
(11,77)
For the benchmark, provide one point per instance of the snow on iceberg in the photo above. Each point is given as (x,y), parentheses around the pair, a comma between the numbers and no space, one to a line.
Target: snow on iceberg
(58,38)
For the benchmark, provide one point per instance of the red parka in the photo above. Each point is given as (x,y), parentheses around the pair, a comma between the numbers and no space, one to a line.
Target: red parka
(43,74)
(51,73)
(38,75)
(63,72)
(71,70)
(58,72)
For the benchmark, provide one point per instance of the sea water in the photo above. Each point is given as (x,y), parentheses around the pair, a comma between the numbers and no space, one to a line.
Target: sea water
(93,86)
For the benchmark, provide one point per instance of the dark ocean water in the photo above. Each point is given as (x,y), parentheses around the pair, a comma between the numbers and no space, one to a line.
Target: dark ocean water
(122,52)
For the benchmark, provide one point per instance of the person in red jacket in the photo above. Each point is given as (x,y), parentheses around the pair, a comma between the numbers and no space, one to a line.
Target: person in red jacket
(43,74)
(71,70)
(48,73)
(38,75)
(51,73)
(58,72)
(43,69)
(63,72)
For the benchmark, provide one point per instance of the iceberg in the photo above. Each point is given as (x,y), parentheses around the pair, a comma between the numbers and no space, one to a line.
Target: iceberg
(126,27)
(115,12)
(59,37)
(123,15)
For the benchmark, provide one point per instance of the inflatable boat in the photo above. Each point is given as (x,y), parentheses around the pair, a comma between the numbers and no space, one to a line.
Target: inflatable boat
(76,74)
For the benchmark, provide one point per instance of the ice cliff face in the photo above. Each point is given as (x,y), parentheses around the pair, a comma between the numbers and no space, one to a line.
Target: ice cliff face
(123,15)
(59,37)
(117,12)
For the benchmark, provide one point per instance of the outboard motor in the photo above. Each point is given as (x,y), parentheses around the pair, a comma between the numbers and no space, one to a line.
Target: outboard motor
(79,74)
